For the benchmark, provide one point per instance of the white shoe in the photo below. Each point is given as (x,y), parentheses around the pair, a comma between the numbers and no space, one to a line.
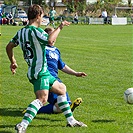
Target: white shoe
(77,124)
(20,128)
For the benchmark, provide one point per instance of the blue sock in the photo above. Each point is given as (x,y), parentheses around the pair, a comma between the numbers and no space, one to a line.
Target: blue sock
(47,109)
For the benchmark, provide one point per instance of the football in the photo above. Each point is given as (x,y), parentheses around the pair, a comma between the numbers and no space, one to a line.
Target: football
(128,95)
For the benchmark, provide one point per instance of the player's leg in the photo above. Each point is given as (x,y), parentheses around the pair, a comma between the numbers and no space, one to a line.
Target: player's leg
(56,109)
(60,89)
(41,91)
(52,107)
(52,21)
(32,110)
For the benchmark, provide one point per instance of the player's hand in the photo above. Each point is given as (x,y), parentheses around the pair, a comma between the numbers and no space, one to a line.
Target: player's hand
(81,74)
(13,67)
(64,23)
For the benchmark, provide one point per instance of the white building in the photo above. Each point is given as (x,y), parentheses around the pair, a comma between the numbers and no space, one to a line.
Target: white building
(91,1)
(123,1)
(126,1)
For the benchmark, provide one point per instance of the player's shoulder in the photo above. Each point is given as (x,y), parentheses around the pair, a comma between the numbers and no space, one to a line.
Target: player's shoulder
(50,47)
(31,27)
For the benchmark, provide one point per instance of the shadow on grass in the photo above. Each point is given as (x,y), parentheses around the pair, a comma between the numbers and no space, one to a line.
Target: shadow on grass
(17,112)
(103,121)
(42,125)
(3,127)
(11,112)
(5,132)
(47,125)
(52,120)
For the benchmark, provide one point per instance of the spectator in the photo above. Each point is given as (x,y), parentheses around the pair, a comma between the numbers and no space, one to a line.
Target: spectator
(104,15)
(0,15)
(9,18)
(25,20)
(4,20)
(76,18)
(0,18)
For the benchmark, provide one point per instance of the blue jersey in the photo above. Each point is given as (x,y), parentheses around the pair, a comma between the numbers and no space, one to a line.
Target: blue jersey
(54,60)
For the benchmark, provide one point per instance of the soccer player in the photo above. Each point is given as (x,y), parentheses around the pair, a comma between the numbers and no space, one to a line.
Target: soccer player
(52,14)
(55,63)
(32,40)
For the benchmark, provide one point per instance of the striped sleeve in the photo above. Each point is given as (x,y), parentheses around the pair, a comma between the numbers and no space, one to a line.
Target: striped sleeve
(41,35)
(15,39)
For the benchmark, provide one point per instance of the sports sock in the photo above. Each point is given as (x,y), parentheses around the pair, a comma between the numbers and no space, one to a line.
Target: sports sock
(65,108)
(47,109)
(53,25)
(31,112)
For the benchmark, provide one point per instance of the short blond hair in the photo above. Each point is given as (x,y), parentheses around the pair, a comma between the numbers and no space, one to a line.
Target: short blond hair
(49,30)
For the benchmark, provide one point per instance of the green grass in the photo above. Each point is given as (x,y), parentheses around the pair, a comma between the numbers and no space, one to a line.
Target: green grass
(104,52)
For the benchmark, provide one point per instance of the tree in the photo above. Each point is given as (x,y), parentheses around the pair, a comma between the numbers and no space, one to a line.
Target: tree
(11,2)
(70,6)
(129,3)
(81,6)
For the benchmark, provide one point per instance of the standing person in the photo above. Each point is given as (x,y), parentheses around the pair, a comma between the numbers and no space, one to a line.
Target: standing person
(104,15)
(52,14)
(32,41)
(55,63)
(4,20)
(76,18)
(0,15)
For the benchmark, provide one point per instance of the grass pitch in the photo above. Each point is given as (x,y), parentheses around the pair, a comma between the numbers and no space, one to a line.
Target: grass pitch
(104,52)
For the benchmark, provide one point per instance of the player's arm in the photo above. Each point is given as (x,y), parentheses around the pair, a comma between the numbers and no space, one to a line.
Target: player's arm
(70,71)
(55,33)
(56,14)
(9,51)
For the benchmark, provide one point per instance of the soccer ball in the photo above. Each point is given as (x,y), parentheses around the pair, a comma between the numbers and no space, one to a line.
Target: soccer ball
(128,95)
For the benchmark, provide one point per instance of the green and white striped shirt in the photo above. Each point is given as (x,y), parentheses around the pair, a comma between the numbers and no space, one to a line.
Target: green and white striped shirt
(32,41)
(52,13)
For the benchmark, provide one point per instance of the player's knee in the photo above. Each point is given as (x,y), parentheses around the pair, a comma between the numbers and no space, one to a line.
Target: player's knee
(63,88)
(43,100)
